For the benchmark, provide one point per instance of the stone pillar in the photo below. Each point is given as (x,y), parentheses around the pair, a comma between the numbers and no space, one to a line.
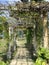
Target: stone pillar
(10,32)
(45,30)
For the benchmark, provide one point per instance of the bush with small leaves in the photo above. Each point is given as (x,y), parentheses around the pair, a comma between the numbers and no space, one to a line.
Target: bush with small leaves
(43,53)
(40,61)
(2,63)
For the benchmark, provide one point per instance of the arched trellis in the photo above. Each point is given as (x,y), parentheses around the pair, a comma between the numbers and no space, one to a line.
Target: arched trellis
(41,13)
(39,7)
(12,36)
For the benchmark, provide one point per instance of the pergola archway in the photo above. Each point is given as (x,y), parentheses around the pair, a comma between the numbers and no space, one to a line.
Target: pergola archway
(39,7)
(15,26)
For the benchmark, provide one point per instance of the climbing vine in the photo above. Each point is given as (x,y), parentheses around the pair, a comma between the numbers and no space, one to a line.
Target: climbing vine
(39,31)
(35,19)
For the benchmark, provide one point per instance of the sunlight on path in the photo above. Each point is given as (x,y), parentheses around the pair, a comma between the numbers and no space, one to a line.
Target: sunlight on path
(22,56)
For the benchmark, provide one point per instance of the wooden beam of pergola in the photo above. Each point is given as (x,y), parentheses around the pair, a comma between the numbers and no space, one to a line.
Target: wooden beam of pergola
(40,6)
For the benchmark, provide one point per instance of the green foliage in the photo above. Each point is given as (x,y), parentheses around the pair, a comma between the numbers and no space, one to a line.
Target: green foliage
(47,54)
(3,46)
(6,30)
(3,26)
(32,16)
(29,35)
(43,56)
(39,30)
(40,61)
(35,19)
(2,21)
(2,63)
(43,52)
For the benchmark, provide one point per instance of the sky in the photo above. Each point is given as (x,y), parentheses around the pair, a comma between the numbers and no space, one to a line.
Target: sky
(8,0)
(12,0)
(4,1)
(47,0)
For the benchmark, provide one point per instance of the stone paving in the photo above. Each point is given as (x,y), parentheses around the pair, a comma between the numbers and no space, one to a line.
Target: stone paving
(22,57)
